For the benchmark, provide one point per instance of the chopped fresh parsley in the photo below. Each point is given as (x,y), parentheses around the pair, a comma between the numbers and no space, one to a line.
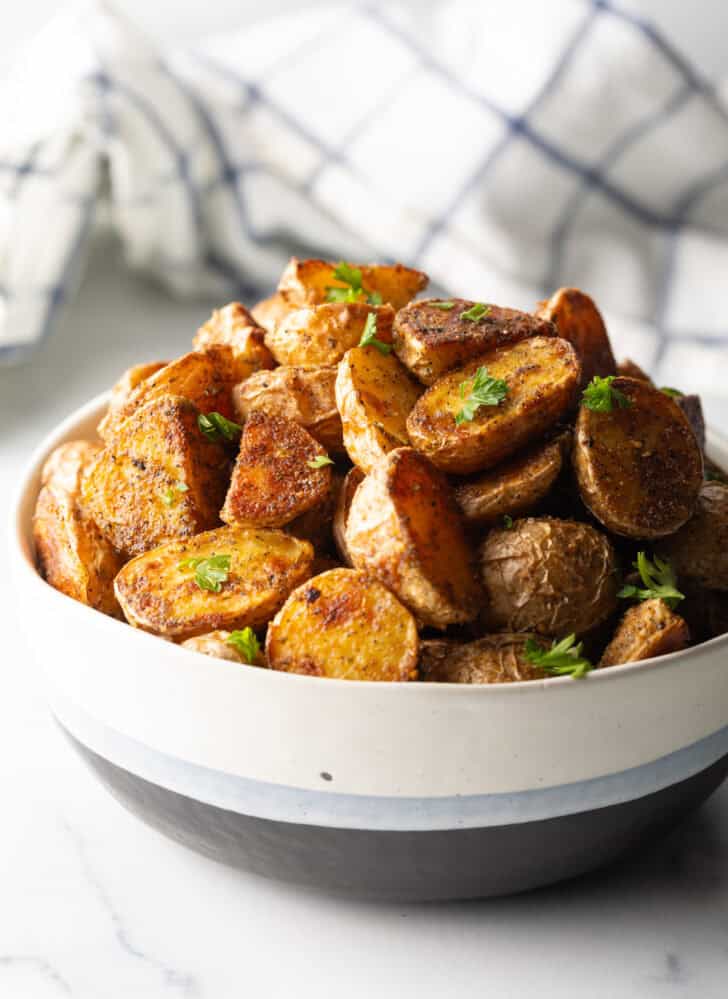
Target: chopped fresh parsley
(246,643)
(210,573)
(660,582)
(714,475)
(170,495)
(319,461)
(564,658)
(507,520)
(445,306)
(369,336)
(484,391)
(672,392)
(475,312)
(354,291)
(216,427)
(600,396)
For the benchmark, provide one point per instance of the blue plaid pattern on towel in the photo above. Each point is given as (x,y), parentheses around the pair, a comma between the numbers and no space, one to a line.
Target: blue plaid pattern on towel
(505,148)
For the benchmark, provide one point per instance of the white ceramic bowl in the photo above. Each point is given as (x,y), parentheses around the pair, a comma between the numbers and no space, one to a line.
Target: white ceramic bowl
(415,791)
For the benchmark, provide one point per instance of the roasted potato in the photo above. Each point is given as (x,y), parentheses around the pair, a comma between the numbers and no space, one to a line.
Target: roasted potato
(628,369)
(217,644)
(541,374)
(578,320)
(234,330)
(123,389)
(698,552)
(161,590)
(491,659)
(275,479)
(374,394)
(317,524)
(271,311)
(68,463)
(639,467)
(693,409)
(553,577)
(346,625)
(319,335)
(404,527)
(305,395)
(354,478)
(431,337)
(648,629)
(158,479)
(309,282)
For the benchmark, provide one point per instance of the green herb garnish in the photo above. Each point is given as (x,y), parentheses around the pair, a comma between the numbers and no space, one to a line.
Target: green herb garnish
(672,392)
(564,658)
(210,573)
(354,292)
(714,475)
(484,391)
(475,312)
(507,520)
(369,336)
(659,579)
(601,397)
(319,461)
(246,643)
(216,427)
(170,495)
(445,306)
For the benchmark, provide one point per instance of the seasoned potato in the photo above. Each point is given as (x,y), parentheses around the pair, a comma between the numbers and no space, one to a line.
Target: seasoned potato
(319,335)
(541,374)
(215,643)
(67,464)
(374,394)
(514,487)
(158,479)
(72,554)
(550,576)
(628,369)
(233,329)
(160,591)
(491,659)
(639,468)
(273,480)
(354,478)
(271,311)
(346,625)
(698,552)
(430,340)
(648,629)
(404,527)
(693,409)
(578,320)
(309,281)
(305,395)
(123,389)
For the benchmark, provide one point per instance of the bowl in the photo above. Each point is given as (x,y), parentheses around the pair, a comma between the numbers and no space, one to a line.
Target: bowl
(376,790)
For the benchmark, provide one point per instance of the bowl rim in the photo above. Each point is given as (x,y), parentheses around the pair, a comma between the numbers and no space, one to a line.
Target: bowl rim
(21,547)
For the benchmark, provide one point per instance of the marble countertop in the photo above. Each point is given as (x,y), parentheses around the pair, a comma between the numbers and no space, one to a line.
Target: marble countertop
(96,906)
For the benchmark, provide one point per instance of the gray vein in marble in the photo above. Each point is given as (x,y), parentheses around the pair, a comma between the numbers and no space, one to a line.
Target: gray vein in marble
(43,967)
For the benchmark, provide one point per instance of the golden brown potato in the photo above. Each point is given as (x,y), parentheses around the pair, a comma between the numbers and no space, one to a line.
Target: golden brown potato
(72,554)
(491,659)
(308,282)
(158,479)
(553,577)
(639,468)
(514,487)
(374,394)
(354,478)
(319,335)
(404,527)
(346,625)
(648,629)
(271,311)
(123,389)
(698,552)
(233,328)
(430,339)
(275,478)
(305,395)
(578,320)
(217,644)
(67,464)
(541,374)
(161,590)
(628,369)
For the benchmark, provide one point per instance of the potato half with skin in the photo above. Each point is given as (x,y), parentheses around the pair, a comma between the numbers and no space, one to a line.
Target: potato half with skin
(122,390)
(158,479)
(549,576)
(305,395)
(271,311)
(648,629)
(541,374)
(375,395)
(629,369)
(698,552)
(430,340)
(319,335)
(404,527)
(354,478)
(309,281)
(234,330)
(345,625)
(639,468)
(578,320)
(273,481)
(159,591)
(217,645)
(490,659)
(66,465)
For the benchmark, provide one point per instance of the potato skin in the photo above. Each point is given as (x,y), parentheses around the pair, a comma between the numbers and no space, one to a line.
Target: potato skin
(629,369)
(375,395)
(344,624)
(698,552)
(308,281)
(578,320)
(233,329)
(319,335)
(541,373)
(215,643)
(66,465)
(272,482)
(354,478)
(490,659)
(648,629)
(430,341)
(639,469)
(549,576)
(122,390)
(404,528)
(157,595)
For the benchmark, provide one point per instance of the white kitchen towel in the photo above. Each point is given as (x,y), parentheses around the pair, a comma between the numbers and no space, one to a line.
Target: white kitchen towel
(505,147)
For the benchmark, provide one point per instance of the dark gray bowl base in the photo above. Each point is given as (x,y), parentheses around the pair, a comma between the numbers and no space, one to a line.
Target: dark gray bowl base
(409,866)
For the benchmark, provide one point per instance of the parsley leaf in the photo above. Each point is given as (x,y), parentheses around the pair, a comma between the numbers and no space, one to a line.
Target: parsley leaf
(564,658)
(672,392)
(170,495)
(476,311)
(600,397)
(369,336)
(210,573)
(714,475)
(659,579)
(484,391)
(319,461)
(246,643)
(354,292)
(445,306)
(507,520)
(216,427)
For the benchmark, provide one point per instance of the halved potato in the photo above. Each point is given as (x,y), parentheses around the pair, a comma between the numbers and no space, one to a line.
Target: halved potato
(158,479)
(648,629)
(354,478)
(318,335)
(430,339)
(271,311)
(234,329)
(541,374)
(639,468)
(346,625)
(273,480)
(217,644)
(160,592)
(374,394)
(698,552)
(404,527)
(305,395)
(123,389)
(491,659)
(309,281)
(578,320)
(549,576)
(66,465)
(629,369)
